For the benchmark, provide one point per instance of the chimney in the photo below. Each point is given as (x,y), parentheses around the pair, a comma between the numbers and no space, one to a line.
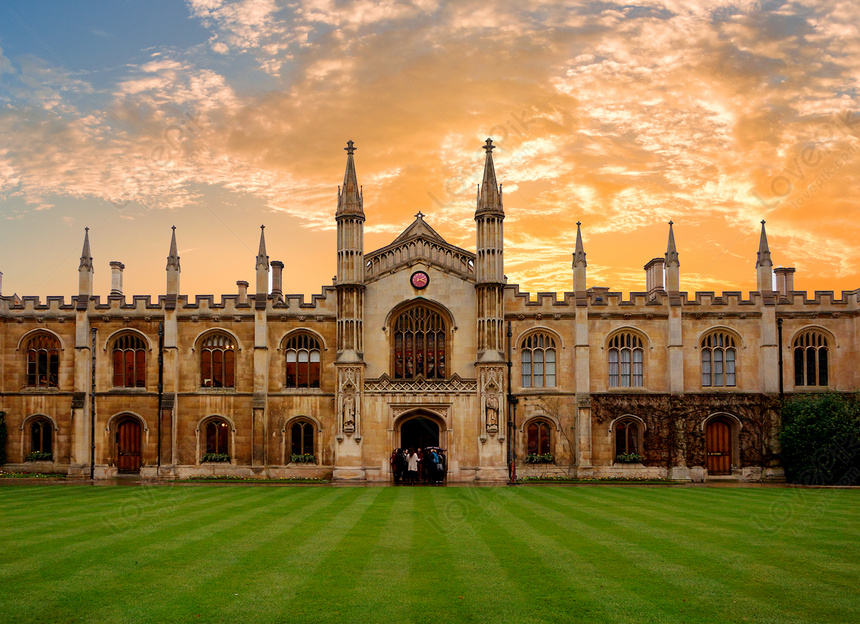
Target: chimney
(243,292)
(116,277)
(654,273)
(784,280)
(277,279)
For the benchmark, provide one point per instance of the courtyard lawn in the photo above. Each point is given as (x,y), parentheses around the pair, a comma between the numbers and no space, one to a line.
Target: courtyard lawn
(530,554)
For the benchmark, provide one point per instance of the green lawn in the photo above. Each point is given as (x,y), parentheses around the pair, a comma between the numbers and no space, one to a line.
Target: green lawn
(74,553)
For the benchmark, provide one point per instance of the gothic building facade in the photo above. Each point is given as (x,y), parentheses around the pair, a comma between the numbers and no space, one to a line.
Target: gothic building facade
(419,343)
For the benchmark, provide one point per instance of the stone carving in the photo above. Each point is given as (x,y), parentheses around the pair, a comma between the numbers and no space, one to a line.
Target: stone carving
(349,399)
(454,385)
(349,413)
(491,406)
(491,397)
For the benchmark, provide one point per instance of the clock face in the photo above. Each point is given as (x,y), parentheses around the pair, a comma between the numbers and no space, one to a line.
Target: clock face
(420,279)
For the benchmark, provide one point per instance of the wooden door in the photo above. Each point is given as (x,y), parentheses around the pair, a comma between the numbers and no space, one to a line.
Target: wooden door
(718,441)
(128,446)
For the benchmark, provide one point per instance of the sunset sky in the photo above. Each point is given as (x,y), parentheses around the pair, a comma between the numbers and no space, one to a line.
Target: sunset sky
(217,117)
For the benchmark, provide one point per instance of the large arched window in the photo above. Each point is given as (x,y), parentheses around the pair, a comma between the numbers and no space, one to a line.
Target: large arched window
(538,361)
(217,437)
(41,438)
(302,439)
(626,357)
(217,362)
(719,360)
(810,359)
(627,437)
(538,437)
(303,362)
(129,362)
(43,361)
(419,344)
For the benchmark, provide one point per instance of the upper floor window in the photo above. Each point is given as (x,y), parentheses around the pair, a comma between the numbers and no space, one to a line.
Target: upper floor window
(538,361)
(218,362)
(810,359)
(719,360)
(43,361)
(303,362)
(626,357)
(129,362)
(419,344)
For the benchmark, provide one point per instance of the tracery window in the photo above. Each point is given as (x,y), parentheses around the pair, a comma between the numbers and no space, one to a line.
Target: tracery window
(626,357)
(627,437)
(40,436)
(719,360)
(129,362)
(538,437)
(302,438)
(303,362)
(419,344)
(217,437)
(218,362)
(43,361)
(811,355)
(537,361)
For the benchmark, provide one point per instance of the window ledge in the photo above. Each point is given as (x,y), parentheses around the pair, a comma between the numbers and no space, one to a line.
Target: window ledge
(216,390)
(301,390)
(121,390)
(629,389)
(40,390)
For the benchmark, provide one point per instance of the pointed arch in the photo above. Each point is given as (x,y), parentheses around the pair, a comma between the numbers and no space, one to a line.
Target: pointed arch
(22,342)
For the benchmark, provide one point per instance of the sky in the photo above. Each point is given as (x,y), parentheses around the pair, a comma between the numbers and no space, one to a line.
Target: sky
(217,116)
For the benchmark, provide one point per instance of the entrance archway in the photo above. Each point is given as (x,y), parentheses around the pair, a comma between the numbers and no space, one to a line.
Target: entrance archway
(419,432)
(128,442)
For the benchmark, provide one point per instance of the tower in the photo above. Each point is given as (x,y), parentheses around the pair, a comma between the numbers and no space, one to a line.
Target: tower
(579,264)
(349,284)
(763,264)
(173,267)
(85,269)
(490,284)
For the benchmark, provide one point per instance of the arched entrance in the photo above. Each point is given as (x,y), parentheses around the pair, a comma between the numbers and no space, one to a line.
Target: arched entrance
(718,446)
(419,432)
(128,445)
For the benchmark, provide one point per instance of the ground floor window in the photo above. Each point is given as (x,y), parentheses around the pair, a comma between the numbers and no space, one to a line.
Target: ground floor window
(627,440)
(217,437)
(302,442)
(538,437)
(40,440)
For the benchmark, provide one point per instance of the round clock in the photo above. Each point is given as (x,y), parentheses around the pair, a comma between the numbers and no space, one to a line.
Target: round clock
(419,279)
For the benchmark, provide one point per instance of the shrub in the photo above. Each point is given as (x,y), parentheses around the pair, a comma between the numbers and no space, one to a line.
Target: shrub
(216,457)
(820,439)
(38,456)
(3,436)
(307,458)
(546,458)
(629,458)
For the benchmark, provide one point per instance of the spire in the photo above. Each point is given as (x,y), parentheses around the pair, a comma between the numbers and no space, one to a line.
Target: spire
(490,192)
(262,258)
(350,198)
(173,256)
(86,258)
(671,250)
(579,253)
(763,256)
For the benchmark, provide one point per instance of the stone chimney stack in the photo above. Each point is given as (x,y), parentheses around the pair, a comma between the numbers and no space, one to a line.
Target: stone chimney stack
(784,280)
(243,291)
(116,277)
(277,279)
(654,276)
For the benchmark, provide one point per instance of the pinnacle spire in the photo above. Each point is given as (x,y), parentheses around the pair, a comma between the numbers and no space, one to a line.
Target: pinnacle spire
(350,198)
(490,192)
(763,255)
(671,250)
(579,252)
(86,258)
(262,257)
(173,255)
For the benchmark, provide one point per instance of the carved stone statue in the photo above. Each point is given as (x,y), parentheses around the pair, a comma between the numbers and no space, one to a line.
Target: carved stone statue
(491,406)
(349,413)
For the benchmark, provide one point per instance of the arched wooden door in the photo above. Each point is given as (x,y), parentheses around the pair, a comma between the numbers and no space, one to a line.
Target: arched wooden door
(128,446)
(718,442)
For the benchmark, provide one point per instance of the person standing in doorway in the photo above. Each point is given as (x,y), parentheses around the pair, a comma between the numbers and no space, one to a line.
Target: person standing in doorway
(412,466)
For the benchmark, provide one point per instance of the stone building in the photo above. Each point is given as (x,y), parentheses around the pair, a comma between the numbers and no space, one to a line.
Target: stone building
(419,343)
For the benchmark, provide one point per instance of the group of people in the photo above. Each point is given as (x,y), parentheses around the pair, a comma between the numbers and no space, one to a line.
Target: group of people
(411,466)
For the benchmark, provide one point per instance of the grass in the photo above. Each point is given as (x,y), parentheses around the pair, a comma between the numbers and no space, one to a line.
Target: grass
(75,553)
